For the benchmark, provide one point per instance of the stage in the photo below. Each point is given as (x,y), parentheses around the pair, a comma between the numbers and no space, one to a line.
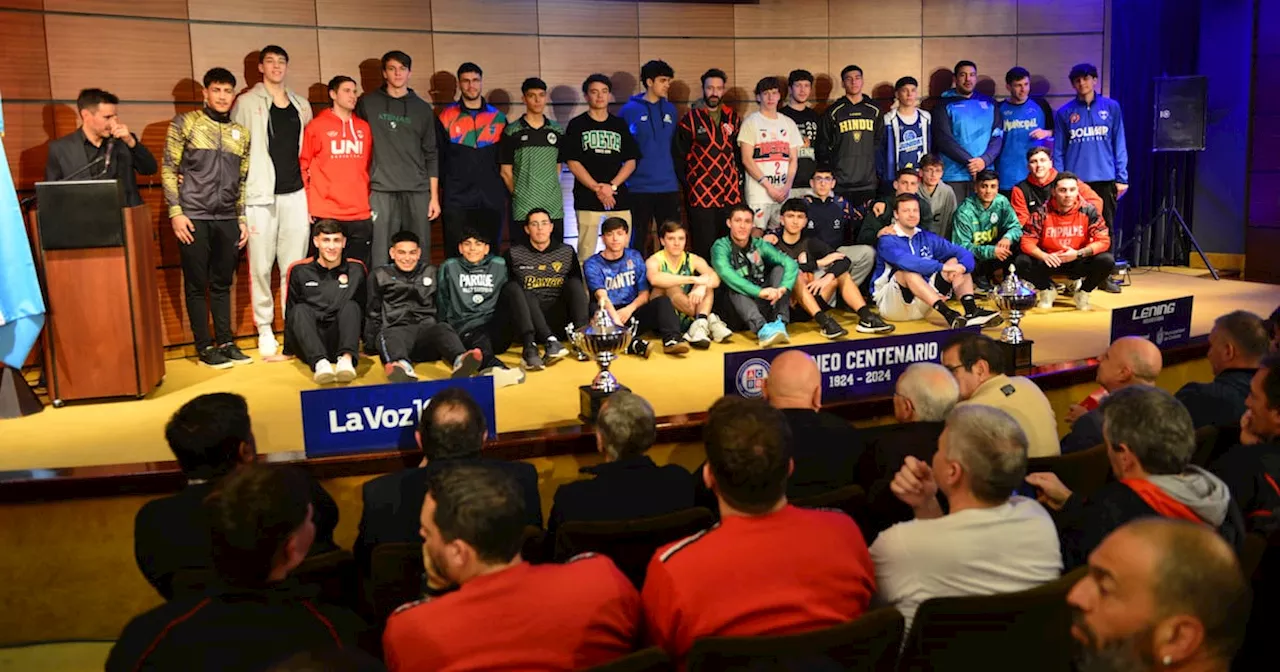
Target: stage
(132,431)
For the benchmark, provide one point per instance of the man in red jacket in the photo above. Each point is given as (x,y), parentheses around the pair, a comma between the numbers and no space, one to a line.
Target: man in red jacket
(336,148)
(1031,196)
(1070,239)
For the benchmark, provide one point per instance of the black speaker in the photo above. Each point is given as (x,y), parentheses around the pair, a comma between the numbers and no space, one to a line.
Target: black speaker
(1181,106)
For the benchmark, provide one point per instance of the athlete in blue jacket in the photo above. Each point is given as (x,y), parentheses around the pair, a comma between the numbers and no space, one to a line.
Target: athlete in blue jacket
(1026,123)
(966,130)
(917,270)
(1091,144)
(655,190)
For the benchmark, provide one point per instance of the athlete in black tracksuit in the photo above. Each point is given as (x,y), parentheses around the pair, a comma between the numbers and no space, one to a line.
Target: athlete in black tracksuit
(323,310)
(403,326)
(849,135)
(551,281)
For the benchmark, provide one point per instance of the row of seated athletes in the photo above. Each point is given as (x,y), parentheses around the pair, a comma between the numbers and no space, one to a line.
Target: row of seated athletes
(487,606)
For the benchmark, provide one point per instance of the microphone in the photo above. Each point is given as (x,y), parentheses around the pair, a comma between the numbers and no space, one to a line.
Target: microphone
(26,202)
(106,164)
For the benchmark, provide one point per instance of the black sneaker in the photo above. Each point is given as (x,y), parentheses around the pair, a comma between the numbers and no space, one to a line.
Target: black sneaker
(532,360)
(675,346)
(1110,286)
(984,318)
(873,324)
(213,358)
(953,319)
(553,351)
(830,328)
(639,347)
(233,354)
(466,364)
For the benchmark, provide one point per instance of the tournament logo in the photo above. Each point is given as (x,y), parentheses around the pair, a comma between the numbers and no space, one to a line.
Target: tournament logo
(751,376)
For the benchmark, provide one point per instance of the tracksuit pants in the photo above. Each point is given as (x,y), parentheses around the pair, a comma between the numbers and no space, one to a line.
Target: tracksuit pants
(510,322)
(1094,270)
(750,312)
(209,263)
(1107,192)
(655,209)
(318,337)
(422,342)
(395,211)
(705,226)
(279,234)
(550,318)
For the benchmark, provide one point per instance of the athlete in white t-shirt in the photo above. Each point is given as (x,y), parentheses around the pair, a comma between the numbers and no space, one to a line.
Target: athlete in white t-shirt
(770,144)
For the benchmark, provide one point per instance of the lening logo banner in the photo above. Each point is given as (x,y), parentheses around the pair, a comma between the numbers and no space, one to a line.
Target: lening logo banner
(1162,322)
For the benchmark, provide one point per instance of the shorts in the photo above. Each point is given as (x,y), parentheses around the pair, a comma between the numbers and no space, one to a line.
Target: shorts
(766,213)
(898,304)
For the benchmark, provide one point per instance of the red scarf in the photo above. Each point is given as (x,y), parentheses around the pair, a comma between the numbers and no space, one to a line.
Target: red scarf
(1160,501)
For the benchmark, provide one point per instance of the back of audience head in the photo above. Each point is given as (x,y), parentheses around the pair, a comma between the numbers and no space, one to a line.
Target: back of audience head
(973,359)
(1238,340)
(982,452)
(1262,414)
(794,382)
(260,524)
(1132,360)
(1273,329)
(925,392)
(626,426)
(1146,430)
(211,435)
(472,518)
(451,426)
(1160,594)
(748,455)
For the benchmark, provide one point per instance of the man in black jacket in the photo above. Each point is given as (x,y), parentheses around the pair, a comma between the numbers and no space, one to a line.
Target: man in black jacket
(104,138)
(1252,468)
(402,321)
(261,528)
(550,279)
(824,447)
(324,307)
(627,484)
(450,432)
(1149,441)
(849,133)
(1238,341)
(1132,360)
(211,436)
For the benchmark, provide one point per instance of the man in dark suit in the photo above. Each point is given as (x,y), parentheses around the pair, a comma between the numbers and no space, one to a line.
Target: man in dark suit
(101,135)
(211,436)
(451,431)
(627,484)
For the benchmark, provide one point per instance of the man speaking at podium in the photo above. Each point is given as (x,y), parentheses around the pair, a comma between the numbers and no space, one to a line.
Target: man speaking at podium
(104,139)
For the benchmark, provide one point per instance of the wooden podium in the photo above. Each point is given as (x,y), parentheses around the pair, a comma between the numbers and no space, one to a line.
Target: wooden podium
(102,337)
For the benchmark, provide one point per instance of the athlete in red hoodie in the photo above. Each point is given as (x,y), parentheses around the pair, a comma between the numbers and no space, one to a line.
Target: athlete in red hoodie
(336,148)
(1070,239)
(1031,196)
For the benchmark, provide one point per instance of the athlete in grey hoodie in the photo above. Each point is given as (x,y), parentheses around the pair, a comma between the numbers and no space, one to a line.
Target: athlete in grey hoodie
(404,180)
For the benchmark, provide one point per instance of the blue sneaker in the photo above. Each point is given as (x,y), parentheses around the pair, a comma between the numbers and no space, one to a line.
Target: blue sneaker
(782,330)
(769,334)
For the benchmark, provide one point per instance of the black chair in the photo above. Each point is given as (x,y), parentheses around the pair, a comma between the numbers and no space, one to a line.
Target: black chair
(1206,446)
(852,499)
(1255,547)
(1083,472)
(334,572)
(868,643)
(629,543)
(1014,631)
(651,659)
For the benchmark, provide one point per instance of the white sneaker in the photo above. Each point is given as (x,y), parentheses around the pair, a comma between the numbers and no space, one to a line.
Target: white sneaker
(324,373)
(1045,299)
(698,336)
(505,377)
(268,346)
(1082,300)
(720,331)
(345,371)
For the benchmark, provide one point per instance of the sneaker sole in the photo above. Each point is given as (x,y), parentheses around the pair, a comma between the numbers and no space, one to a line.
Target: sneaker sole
(556,356)
(533,366)
(831,336)
(400,376)
(224,365)
(677,349)
(241,362)
(770,340)
(325,378)
(468,368)
(985,321)
(701,344)
(344,376)
(862,329)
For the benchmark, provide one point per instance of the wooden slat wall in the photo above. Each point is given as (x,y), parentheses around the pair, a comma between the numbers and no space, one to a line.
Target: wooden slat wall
(151,52)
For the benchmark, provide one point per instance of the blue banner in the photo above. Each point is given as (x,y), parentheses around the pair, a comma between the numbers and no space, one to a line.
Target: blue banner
(369,418)
(21,303)
(851,369)
(1163,322)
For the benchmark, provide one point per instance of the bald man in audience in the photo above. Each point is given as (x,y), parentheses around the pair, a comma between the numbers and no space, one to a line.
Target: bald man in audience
(1237,343)
(825,447)
(990,541)
(1160,595)
(1132,360)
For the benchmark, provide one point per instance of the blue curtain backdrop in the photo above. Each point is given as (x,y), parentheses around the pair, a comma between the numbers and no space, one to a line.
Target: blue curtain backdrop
(1150,39)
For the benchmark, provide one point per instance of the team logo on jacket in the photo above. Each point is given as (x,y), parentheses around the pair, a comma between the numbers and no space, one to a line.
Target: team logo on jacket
(556,266)
(994,218)
(1102,114)
(1075,117)
(727,127)
(666,118)
(751,376)
(551,138)
(342,280)
(426,281)
(477,298)
(332,134)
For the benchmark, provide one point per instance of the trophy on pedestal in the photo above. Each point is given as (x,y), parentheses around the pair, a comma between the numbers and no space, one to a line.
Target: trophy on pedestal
(1015,296)
(603,341)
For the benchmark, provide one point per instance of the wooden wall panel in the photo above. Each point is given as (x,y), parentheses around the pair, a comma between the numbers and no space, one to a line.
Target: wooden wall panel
(781,18)
(1050,57)
(236,48)
(563,64)
(295,12)
(875,18)
(500,16)
(357,54)
(28,128)
(506,60)
(588,18)
(994,56)
(689,58)
(22,51)
(134,59)
(754,59)
(394,14)
(164,9)
(969,17)
(1038,16)
(22,4)
(882,61)
(700,20)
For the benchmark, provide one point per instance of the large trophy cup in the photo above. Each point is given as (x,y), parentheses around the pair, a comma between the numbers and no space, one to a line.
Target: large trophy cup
(604,341)
(1014,297)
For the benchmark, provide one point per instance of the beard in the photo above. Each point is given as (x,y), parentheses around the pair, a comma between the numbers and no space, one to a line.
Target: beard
(713,102)
(1125,654)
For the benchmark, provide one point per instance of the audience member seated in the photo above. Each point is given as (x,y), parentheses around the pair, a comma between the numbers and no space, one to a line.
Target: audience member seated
(261,526)
(627,484)
(505,613)
(1069,239)
(210,436)
(1132,360)
(989,542)
(768,567)
(1273,329)
(1149,441)
(1252,469)
(758,278)
(825,448)
(978,363)
(1237,343)
(1160,595)
(917,270)
(450,431)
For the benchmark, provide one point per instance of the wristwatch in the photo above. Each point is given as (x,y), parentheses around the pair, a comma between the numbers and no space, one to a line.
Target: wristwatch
(614,187)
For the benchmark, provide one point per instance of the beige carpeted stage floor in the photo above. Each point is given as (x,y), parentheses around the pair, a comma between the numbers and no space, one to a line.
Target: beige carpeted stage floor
(132,431)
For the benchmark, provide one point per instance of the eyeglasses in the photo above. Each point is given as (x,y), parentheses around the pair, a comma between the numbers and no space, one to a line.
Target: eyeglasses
(824,179)
(955,368)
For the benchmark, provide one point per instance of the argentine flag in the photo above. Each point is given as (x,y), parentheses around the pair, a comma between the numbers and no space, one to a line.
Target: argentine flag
(21,305)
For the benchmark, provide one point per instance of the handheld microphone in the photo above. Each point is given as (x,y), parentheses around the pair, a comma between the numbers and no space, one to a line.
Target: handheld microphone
(106,164)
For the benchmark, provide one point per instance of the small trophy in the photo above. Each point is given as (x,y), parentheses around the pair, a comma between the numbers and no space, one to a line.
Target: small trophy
(1014,296)
(604,341)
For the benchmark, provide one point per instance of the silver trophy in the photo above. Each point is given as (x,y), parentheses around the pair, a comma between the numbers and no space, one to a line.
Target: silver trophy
(1015,296)
(604,341)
